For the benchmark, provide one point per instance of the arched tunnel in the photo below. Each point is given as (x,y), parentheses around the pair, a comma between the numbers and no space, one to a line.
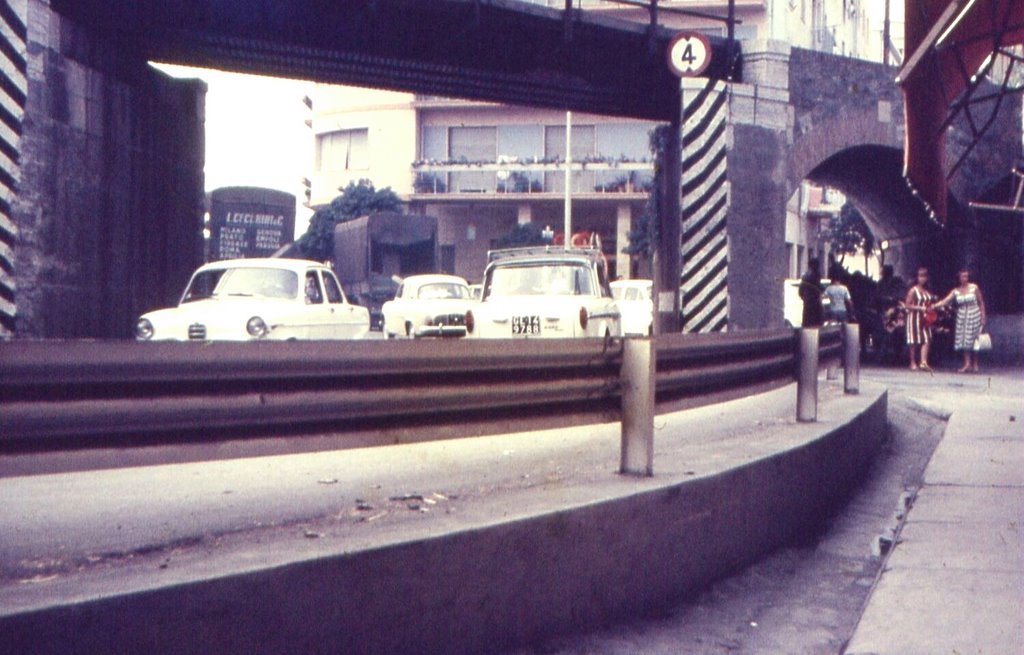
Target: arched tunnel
(987,242)
(871,176)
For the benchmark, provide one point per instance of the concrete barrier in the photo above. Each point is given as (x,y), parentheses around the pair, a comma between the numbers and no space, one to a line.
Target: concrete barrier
(485,588)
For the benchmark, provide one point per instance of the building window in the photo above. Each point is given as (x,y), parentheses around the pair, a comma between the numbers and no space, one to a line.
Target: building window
(473,144)
(583,146)
(343,150)
(435,143)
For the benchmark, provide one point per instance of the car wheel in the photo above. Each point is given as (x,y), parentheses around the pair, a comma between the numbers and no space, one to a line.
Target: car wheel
(408,329)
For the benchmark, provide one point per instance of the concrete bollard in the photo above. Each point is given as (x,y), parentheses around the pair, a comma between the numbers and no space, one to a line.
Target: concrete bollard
(807,376)
(638,386)
(851,358)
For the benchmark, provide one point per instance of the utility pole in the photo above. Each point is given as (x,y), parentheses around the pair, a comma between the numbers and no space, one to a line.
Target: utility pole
(568,180)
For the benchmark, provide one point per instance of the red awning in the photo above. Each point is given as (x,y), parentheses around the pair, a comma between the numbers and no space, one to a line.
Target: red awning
(946,42)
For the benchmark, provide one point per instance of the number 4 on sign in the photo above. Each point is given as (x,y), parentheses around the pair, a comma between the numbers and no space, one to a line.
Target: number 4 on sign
(689,54)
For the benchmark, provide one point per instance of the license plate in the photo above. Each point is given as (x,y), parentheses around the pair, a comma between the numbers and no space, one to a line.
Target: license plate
(526,325)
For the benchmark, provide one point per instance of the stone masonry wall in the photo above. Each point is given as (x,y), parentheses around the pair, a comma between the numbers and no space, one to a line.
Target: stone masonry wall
(109,210)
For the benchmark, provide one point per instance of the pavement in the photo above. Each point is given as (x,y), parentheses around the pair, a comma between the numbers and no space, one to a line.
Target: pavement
(388,543)
(56,529)
(954,581)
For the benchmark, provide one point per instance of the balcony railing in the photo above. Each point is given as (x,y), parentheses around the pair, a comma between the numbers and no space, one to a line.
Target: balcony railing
(589,176)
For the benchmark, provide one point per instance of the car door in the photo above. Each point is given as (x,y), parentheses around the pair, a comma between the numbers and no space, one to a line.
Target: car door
(605,308)
(344,320)
(316,314)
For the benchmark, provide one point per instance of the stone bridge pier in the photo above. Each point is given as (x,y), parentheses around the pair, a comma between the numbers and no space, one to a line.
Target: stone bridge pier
(103,218)
(835,121)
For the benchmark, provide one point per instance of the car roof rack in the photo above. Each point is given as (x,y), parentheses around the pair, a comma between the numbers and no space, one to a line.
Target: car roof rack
(535,251)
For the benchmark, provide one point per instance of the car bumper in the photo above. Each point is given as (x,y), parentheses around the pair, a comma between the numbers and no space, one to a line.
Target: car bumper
(441,331)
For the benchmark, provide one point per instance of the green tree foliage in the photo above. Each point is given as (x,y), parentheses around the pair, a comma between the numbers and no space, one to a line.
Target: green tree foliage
(356,199)
(848,233)
(643,239)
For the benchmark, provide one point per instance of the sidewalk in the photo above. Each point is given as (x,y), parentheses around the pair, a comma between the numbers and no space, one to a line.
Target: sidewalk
(954,583)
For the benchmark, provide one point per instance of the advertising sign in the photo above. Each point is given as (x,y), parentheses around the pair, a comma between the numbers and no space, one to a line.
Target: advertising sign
(250,222)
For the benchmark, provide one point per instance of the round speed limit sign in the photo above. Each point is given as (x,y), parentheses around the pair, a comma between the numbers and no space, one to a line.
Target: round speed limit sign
(689,54)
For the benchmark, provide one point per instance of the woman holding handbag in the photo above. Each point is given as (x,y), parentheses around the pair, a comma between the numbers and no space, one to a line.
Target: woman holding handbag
(970,318)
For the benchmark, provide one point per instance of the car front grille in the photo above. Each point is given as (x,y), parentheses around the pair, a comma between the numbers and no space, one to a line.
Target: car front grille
(450,319)
(197,331)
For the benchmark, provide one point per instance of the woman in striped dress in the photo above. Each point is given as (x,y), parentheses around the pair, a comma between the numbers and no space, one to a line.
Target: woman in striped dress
(919,331)
(970,318)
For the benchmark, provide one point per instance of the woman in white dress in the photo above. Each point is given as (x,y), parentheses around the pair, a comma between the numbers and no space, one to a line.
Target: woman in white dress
(970,318)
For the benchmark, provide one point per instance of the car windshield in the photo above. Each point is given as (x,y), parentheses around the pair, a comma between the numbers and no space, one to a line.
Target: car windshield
(541,280)
(242,282)
(443,291)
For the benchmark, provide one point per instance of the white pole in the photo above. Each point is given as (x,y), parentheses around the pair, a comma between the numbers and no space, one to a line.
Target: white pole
(568,180)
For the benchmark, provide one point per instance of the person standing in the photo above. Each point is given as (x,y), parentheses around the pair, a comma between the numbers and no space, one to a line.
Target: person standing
(970,318)
(810,294)
(889,316)
(919,330)
(840,305)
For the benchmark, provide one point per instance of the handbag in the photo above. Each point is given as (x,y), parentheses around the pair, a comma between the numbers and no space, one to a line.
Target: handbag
(983,342)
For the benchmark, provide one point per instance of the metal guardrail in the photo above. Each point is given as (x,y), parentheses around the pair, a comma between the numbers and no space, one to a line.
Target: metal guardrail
(110,390)
(57,396)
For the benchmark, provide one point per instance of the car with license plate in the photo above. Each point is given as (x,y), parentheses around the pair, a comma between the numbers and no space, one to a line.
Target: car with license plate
(545,292)
(428,306)
(258,299)
(633,298)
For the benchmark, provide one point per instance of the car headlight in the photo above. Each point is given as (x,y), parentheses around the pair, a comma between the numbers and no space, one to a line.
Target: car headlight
(143,329)
(257,327)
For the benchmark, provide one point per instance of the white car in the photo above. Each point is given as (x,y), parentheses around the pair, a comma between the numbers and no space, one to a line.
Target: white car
(633,298)
(428,306)
(544,292)
(250,299)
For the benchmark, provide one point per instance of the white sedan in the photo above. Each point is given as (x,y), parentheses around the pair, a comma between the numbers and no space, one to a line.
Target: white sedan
(633,298)
(250,299)
(545,292)
(428,306)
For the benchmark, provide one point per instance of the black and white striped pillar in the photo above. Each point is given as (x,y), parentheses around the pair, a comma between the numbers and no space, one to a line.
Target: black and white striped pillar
(704,244)
(13,90)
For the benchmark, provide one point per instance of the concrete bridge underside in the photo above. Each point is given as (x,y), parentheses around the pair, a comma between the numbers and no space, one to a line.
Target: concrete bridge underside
(109,203)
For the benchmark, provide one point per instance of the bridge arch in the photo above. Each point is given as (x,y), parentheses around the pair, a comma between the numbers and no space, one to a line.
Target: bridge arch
(871,177)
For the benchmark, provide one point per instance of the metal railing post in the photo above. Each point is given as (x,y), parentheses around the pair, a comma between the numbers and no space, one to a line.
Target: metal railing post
(638,386)
(807,376)
(851,358)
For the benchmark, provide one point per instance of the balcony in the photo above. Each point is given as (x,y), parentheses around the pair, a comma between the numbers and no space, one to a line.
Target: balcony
(592,178)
